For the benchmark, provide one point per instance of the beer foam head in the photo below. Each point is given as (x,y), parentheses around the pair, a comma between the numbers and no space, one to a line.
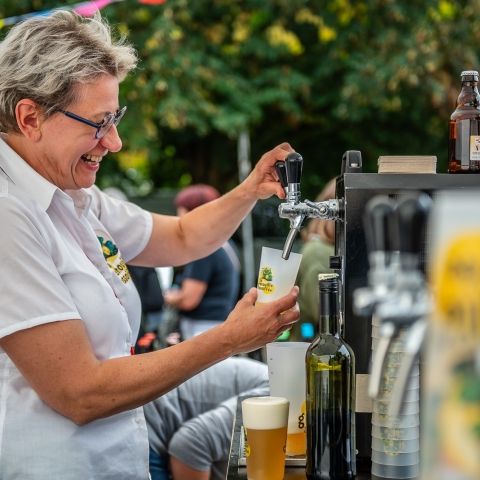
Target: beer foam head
(265,413)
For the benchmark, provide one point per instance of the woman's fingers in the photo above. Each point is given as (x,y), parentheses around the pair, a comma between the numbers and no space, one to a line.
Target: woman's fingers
(286,302)
(253,325)
(290,316)
(250,297)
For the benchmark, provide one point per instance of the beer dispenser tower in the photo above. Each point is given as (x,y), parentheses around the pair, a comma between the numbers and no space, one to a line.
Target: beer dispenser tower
(353,191)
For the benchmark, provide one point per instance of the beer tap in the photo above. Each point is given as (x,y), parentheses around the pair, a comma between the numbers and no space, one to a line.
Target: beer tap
(412,213)
(293,208)
(281,169)
(400,298)
(380,235)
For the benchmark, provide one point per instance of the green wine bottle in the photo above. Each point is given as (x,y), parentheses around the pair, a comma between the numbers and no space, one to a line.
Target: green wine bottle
(330,396)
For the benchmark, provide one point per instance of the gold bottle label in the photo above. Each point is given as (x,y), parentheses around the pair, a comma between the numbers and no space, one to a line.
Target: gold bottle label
(452,412)
(456,284)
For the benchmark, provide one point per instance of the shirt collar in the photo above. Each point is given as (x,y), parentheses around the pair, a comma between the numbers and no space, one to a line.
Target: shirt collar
(29,180)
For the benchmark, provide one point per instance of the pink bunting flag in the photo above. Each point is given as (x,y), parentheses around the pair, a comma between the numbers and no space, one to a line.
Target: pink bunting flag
(88,9)
(152,2)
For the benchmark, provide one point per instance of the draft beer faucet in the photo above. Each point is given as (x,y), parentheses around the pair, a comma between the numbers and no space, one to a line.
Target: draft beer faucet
(397,292)
(293,209)
(412,215)
(381,237)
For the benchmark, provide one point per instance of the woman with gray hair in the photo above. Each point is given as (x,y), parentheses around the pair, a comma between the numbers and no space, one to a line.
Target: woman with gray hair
(70,391)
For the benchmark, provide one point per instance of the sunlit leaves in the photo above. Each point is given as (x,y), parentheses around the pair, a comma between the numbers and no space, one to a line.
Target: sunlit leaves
(278,36)
(447,9)
(380,76)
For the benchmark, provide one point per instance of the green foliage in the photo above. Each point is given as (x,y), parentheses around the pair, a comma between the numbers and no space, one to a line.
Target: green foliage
(380,76)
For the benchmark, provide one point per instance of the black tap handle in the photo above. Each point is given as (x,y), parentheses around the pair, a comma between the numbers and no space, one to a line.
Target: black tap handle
(412,212)
(379,224)
(281,170)
(294,164)
(351,162)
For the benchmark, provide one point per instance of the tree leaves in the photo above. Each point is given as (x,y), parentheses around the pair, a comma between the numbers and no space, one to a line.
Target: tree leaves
(380,76)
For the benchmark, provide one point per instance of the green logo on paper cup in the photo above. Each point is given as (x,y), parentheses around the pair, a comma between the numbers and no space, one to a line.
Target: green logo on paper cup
(265,281)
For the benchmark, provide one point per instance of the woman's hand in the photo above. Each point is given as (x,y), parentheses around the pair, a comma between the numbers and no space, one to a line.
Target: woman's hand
(250,326)
(67,375)
(263,180)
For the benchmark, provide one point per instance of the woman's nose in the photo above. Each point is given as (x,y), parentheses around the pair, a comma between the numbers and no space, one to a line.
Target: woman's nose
(112,141)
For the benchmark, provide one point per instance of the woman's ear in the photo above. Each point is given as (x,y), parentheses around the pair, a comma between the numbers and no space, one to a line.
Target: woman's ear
(29,119)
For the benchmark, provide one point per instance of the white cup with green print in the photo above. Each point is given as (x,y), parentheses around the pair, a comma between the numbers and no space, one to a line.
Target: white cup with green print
(276,276)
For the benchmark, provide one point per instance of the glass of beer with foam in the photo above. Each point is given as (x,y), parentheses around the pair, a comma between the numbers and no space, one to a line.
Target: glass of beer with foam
(265,421)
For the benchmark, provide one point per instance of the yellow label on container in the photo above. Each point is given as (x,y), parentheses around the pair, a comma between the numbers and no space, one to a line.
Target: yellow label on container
(474,147)
(302,416)
(456,284)
(247,446)
(459,420)
(265,281)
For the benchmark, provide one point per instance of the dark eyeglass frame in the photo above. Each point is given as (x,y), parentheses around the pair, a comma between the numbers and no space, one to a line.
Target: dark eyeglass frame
(102,127)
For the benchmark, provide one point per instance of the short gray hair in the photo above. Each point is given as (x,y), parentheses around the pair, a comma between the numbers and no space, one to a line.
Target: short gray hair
(44,58)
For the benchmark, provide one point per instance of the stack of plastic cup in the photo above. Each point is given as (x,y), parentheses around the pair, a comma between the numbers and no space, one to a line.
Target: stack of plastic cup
(395,440)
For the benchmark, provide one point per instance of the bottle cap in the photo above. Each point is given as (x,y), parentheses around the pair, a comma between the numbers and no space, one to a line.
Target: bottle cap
(469,76)
(328,281)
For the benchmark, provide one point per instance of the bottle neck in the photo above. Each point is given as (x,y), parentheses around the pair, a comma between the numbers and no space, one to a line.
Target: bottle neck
(469,95)
(329,312)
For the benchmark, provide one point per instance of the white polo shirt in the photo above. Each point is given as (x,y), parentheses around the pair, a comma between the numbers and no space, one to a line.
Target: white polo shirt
(62,256)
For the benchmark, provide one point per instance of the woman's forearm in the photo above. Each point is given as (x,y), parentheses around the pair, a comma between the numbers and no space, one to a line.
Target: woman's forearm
(127,382)
(177,241)
(67,376)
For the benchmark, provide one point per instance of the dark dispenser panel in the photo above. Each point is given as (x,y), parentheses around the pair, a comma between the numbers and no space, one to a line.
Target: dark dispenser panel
(353,190)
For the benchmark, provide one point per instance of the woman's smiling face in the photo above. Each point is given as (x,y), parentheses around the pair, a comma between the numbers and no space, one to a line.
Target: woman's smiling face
(68,153)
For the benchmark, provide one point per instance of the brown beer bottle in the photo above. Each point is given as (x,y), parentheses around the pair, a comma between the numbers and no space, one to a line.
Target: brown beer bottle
(464,132)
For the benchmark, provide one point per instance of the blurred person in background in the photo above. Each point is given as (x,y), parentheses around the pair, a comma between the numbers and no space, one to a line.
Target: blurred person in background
(318,245)
(207,288)
(190,427)
(71,392)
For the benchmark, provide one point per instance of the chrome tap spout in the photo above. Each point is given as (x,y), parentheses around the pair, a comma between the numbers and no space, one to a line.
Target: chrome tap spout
(289,173)
(328,210)
(295,225)
(297,212)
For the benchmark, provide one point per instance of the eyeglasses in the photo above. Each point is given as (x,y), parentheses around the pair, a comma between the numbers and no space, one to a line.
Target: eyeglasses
(102,127)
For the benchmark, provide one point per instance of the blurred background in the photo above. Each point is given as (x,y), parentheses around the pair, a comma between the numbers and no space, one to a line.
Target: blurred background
(219,79)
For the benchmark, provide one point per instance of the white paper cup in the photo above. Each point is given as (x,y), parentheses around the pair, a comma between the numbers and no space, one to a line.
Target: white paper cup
(394,358)
(394,471)
(397,459)
(412,395)
(408,408)
(391,370)
(395,433)
(286,373)
(276,276)
(388,384)
(395,446)
(397,345)
(400,421)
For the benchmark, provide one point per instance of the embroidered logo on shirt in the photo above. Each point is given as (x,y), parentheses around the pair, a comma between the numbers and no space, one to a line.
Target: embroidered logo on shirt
(114,260)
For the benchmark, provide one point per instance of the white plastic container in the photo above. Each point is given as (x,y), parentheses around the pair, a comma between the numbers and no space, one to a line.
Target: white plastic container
(395,471)
(395,446)
(380,432)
